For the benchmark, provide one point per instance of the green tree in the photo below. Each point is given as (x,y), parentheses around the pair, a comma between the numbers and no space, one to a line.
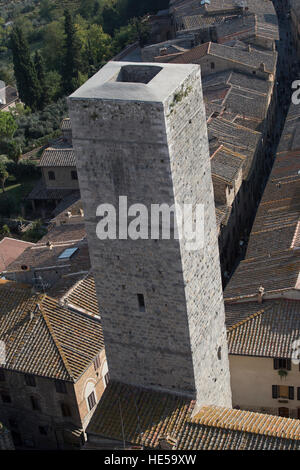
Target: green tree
(53,81)
(97,48)
(5,231)
(136,30)
(41,75)
(46,10)
(8,125)
(53,49)
(111,19)
(3,175)
(7,76)
(87,8)
(35,233)
(14,151)
(25,73)
(72,56)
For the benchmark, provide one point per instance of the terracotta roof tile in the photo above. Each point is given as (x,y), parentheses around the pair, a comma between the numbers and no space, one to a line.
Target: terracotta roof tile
(147,416)
(58,157)
(44,338)
(267,332)
(10,250)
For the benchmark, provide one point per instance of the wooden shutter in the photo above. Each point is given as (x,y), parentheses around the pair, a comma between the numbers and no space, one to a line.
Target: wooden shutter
(274,391)
(291,393)
(276,363)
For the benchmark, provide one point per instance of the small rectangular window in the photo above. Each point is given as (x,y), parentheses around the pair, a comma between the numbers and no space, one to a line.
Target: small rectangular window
(43,430)
(6,398)
(51,175)
(106,378)
(74,175)
(65,409)
(280,363)
(60,386)
(141,302)
(291,393)
(97,363)
(298,393)
(275,391)
(13,423)
(91,401)
(2,375)
(30,380)
(35,404)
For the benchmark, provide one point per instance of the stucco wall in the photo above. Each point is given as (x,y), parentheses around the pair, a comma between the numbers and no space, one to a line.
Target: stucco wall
(251,382)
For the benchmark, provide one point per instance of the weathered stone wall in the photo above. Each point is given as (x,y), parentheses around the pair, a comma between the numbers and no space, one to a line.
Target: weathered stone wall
(154,152)
(6,442)
(22,419)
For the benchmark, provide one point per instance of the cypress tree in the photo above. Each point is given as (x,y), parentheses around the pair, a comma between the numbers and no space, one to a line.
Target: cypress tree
(72,63)
(41,75)
(25,73)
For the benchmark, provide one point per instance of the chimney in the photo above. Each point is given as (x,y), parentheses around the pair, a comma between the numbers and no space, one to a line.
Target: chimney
(163,51)
(81,212)
(262,67)
(261,293)
(49,244)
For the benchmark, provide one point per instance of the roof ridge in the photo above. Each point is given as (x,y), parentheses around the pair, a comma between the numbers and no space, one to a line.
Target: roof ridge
(232,152)
(262,424)
(77,284)
(250,317)
(273,229)
(53,335)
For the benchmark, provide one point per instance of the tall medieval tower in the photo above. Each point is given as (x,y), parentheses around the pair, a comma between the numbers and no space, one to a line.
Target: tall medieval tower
(139,130)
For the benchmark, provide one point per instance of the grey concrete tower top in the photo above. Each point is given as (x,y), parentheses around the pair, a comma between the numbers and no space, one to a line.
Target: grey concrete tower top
(128,81)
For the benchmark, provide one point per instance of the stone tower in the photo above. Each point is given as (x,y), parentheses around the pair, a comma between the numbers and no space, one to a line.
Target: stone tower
(139,130)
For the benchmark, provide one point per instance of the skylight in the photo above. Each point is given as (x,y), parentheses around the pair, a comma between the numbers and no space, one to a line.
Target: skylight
(68,253)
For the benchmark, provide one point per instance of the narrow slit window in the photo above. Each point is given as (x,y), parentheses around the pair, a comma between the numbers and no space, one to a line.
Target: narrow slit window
(141,302)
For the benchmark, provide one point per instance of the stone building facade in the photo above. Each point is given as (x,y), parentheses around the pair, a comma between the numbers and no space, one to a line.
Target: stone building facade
(140,131)
(6,442)
(51,380)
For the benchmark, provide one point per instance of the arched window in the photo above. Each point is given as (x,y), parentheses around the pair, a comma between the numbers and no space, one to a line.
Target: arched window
(90,395)
(105,374)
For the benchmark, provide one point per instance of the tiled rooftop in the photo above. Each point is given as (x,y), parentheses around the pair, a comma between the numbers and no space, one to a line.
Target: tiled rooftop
(58,157)
(251,59)
(277,273)
(148,416)
(44,338)
(10,249)
(83,296)
(269,330)
(43,255)
(66,124)
(272,259)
